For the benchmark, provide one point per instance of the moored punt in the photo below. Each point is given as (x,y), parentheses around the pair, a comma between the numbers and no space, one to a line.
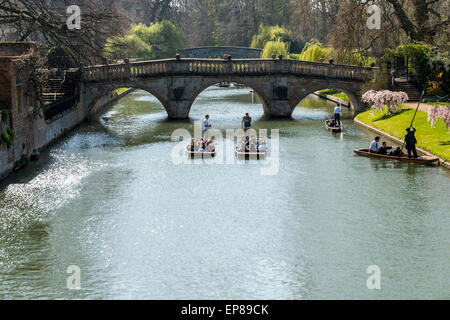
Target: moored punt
(250,155)
(199,154)
(420,160)
(333,129)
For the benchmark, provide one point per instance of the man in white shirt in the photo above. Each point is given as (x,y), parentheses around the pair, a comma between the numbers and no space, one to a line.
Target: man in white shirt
(374,145)
(337,115)
(206,128)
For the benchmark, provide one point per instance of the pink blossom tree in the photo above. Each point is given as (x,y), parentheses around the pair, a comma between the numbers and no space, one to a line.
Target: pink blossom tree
(380,99)
(437,112)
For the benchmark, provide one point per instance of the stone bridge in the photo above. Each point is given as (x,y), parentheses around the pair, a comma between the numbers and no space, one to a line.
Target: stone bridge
(280,84)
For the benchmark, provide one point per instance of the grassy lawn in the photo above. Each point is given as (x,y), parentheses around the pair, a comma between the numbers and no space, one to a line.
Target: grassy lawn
(341,96)
(120,90)
(336,93)
(435,140)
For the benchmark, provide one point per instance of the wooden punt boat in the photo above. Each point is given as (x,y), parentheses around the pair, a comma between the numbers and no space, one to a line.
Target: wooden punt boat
(250,155)
(198,154)
(420,160)
(333,129)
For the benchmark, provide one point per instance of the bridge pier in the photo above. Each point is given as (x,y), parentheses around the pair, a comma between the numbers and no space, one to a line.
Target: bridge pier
(177,110)
(279,109)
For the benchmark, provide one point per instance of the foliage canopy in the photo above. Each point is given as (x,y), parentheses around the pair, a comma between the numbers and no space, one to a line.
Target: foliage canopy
(157,41)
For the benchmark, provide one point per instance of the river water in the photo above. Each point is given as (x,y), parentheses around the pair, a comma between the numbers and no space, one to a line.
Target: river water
(110,200)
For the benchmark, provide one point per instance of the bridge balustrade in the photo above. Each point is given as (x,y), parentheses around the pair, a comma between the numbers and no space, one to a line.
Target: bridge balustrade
(218,67)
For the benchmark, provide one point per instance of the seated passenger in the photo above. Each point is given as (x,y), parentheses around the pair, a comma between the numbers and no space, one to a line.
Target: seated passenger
(261,141)
(192,145)
(262,147)
(210,147)
(241,146)
(203,147)
(331,122)
(374,145)
(384,149)
(253,147)
(397,153)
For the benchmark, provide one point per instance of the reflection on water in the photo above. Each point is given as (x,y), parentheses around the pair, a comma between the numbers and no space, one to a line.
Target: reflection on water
(109,199)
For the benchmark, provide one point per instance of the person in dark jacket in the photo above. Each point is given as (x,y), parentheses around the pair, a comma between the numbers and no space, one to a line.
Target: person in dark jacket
(411,141)
(384,149)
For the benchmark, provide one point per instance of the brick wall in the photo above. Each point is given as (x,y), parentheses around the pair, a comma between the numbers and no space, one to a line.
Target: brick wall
(15,93)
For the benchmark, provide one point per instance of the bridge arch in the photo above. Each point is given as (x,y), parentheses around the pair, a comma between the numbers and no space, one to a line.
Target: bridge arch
(100,101)
(211,82)
(354,95)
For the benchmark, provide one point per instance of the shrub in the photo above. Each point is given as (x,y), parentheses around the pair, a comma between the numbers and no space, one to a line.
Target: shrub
(11,133)
(6,115)
(418,56)
(6,138)
(439,75)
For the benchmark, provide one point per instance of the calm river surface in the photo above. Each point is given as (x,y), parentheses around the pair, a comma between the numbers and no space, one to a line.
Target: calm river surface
(109,199)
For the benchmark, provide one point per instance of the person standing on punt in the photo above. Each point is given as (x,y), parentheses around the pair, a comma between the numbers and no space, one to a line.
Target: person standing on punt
(337,116)
(410,142)
(247,121)
(206,127)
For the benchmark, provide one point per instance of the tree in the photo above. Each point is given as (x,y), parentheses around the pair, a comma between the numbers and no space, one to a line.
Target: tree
(275,48)
(314,18)
(314,51)
(149,11)
(45,21)
(380,99)
(129,46)
(437,112)
(276,33)
(157,41)
(421,20)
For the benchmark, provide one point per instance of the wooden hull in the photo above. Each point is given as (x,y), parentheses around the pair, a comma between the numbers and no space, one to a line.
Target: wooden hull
(197,154)
(251,155)
(333,129)
(421,160)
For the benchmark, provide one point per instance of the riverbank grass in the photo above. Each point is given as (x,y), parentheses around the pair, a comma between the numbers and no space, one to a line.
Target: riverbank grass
(336,93)
(121,90)
(435,140)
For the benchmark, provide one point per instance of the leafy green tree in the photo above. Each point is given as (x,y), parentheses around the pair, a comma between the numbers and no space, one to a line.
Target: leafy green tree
(163,37)
(276,33)
(275,48)
(314,51)
(157,41)
(130,46)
